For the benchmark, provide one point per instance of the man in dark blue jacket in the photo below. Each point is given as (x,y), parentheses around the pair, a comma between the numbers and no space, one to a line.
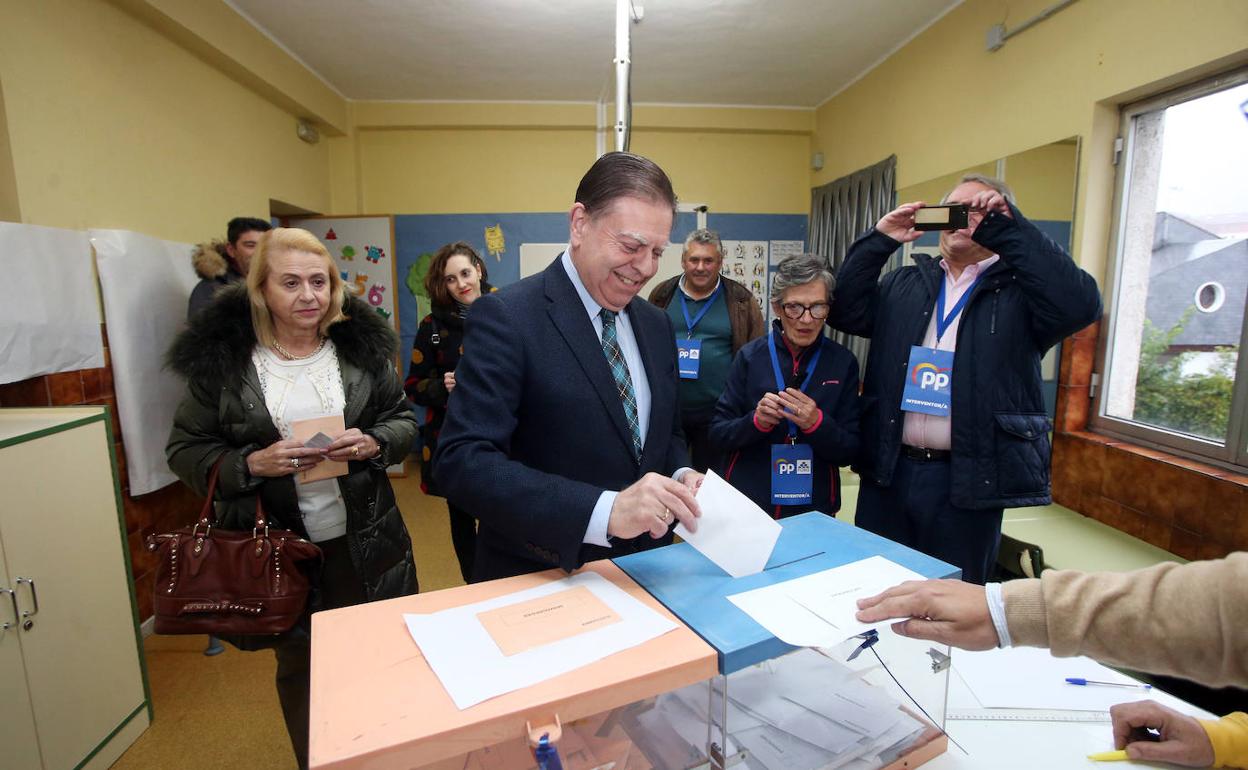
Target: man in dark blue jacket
(954,428)
(563,433)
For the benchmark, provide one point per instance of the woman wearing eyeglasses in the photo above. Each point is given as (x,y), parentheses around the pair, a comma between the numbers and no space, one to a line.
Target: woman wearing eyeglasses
(788,417)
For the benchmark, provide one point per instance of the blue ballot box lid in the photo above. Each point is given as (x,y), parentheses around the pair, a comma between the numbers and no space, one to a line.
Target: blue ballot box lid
(696,590)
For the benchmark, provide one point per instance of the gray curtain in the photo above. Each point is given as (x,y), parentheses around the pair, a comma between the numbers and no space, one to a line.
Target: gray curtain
(845,208)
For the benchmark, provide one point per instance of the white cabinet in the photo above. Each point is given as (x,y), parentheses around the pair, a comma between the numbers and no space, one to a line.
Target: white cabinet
(71,666)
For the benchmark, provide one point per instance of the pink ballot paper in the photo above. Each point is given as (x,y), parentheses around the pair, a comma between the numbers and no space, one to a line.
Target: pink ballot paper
(305,430)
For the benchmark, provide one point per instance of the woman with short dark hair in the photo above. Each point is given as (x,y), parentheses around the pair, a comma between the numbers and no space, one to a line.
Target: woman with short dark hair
(788,417)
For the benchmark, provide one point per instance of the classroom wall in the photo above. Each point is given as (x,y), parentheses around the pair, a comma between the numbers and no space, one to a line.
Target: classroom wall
(944,103)
(464,158)
(133,117)
(10,210)
(112,124)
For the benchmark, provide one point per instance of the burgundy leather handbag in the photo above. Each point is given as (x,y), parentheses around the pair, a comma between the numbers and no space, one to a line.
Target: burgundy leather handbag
(218,581)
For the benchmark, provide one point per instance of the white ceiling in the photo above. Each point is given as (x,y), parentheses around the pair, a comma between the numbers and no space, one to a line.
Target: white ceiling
(747,52)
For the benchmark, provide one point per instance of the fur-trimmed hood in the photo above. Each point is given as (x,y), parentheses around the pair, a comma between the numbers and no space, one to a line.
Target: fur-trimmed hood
(217,347)
(211,260)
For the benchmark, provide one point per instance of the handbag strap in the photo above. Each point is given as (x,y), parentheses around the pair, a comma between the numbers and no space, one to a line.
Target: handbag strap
(207,515)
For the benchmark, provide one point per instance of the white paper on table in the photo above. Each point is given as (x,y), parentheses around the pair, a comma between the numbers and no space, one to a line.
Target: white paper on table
(818,610)
(733,532)
(1031,678)
(470,666)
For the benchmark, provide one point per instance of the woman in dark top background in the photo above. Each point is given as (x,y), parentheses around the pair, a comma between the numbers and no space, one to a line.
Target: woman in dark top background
(456,278)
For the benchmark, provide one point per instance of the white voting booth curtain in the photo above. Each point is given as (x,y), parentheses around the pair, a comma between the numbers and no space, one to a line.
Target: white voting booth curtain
(146,283)
(49,311)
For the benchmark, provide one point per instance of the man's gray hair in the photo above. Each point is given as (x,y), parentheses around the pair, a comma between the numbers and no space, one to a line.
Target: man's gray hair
(987,181)
(703,235)
(799,270)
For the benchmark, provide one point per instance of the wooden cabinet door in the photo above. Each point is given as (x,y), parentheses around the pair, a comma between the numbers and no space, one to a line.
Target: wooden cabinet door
(60,528)
(19,743)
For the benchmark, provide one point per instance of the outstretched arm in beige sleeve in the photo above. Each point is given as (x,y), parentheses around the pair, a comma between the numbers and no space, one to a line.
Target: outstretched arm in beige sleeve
(1183,619)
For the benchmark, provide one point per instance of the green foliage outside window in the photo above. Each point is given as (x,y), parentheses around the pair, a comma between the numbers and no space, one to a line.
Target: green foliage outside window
(1198,404)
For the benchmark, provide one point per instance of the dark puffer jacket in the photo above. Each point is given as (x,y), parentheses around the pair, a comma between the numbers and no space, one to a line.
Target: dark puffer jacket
(223,413)
(1026,303)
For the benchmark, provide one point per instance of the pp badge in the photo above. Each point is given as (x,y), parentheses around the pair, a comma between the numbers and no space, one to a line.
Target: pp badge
(929,377)
(791,474)
(688,358)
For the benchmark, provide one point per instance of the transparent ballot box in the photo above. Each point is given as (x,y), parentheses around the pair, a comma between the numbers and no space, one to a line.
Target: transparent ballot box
(876,700)
(715,691)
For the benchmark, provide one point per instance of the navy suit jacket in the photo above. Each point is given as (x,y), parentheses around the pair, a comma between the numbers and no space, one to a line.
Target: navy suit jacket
(535,430)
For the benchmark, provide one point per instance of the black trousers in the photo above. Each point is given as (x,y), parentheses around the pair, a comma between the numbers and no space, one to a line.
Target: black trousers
(340,587)
(916,512)
(463,538)
(702,453)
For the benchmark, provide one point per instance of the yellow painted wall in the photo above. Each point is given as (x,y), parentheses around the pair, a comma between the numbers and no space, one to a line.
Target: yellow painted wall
(438,158)
(932,190)
(114,125)
(733,172)
(10,211)
(1043,181)
(943,102)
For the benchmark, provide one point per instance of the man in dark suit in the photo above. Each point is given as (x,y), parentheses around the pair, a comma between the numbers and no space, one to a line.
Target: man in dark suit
(563,434)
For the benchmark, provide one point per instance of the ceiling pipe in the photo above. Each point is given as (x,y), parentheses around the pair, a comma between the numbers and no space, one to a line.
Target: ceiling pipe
(624,14)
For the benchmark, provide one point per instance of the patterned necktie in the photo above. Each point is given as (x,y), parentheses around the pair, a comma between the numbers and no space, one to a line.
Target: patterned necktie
(619,372)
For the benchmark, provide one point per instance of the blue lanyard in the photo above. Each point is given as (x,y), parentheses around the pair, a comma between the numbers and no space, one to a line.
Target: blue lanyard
(685,307)
(810,373)
(943,321)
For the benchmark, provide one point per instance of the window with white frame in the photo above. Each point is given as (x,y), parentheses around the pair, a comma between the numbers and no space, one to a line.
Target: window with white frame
(1172,374)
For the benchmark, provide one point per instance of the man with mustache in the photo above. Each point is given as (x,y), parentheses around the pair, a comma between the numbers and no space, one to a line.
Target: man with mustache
(714,316)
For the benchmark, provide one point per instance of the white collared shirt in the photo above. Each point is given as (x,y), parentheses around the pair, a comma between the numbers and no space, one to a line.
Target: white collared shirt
(926,430)
(627,341)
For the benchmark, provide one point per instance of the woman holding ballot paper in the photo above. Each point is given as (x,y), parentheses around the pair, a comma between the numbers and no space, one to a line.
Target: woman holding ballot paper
(291,385)
(788,416)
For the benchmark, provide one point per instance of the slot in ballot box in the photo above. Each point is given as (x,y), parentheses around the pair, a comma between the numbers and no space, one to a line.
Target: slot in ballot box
(376,702)
(774,706)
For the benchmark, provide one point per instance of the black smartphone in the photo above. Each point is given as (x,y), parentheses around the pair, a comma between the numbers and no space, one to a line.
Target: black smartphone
(950,217)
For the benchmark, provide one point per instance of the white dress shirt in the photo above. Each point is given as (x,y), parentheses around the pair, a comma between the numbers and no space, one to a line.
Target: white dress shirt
(596,532)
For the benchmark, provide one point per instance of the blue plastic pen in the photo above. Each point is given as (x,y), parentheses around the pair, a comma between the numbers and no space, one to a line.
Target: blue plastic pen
(546,755)
(1091,682)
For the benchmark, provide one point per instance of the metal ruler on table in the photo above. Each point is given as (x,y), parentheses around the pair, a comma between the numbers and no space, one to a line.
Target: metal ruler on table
(1027,715)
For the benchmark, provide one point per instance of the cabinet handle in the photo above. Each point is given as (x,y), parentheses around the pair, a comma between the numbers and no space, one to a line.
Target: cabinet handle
(34,597)
(12,598)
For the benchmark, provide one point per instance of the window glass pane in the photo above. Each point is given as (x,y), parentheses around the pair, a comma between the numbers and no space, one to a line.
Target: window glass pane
(1184,272)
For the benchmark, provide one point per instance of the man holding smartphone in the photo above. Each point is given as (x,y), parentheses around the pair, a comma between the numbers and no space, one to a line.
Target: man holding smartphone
(954,428)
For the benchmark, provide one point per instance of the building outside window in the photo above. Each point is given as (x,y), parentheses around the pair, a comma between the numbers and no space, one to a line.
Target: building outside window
(1170,371)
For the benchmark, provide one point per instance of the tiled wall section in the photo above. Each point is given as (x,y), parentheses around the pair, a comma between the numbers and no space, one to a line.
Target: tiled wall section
(159,511)
(1194,510)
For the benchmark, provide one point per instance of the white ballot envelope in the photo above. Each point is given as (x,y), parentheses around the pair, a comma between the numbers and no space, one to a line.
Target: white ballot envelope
(733,532)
